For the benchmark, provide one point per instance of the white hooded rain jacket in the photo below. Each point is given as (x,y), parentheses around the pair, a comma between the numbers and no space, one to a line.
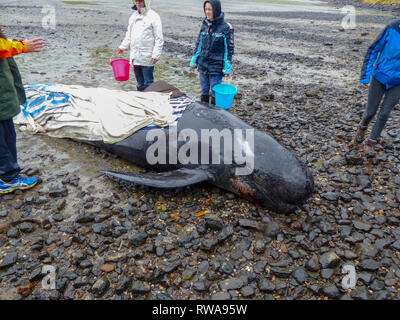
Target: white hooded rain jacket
(144,37)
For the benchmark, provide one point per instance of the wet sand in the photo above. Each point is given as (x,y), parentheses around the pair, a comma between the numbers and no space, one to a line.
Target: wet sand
(297,73)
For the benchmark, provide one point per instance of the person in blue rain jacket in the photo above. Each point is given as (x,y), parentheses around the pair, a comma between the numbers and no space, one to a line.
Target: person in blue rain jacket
(214,50)
(381,68)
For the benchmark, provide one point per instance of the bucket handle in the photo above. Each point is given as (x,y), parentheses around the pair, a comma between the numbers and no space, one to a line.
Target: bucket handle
(114,54)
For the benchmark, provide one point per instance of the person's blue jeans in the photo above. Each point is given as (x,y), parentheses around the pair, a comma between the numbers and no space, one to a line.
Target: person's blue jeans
(376,92)
(208,81)
(144,76)
(9,167)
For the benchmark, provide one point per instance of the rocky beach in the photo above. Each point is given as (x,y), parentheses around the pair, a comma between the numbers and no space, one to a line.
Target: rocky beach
(297,72)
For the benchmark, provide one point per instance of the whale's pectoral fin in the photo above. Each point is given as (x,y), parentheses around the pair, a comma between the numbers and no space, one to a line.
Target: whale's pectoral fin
(167,180)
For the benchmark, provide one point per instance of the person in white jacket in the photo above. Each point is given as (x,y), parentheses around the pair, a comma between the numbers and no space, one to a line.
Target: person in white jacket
(145,39)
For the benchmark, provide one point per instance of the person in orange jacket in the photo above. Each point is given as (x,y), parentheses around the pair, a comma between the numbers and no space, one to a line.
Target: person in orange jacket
(12,95)
(9,48)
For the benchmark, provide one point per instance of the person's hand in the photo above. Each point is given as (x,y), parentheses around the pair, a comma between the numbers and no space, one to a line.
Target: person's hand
(366,85)
(154,60)
(228,76)
(34,45)
(3,32)
(193,69)
(120,51)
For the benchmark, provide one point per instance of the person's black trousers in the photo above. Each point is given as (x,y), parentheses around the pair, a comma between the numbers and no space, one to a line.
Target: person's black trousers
(9,168)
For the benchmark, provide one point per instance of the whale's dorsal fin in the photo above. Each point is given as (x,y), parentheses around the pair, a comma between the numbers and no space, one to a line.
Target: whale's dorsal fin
(167,180)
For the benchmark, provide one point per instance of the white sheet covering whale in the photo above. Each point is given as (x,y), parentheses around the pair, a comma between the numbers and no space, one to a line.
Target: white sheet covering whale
(92,114)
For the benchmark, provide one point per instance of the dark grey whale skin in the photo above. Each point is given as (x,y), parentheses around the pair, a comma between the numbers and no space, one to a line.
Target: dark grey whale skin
(279,181)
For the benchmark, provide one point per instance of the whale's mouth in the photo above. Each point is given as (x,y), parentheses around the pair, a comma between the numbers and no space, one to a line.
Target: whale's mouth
(263,193)
(245,190)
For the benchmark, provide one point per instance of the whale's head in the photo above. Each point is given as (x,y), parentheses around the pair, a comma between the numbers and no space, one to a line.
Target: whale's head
(276,179)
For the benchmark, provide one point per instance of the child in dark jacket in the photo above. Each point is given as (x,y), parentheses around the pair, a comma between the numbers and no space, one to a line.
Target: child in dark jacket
(214,50)
(382,66)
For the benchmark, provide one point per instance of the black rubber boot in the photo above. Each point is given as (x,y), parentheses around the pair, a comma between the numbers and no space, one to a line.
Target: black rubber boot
(212,100)
(205,98)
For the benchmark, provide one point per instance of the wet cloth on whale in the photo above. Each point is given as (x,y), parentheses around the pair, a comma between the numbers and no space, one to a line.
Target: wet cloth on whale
(179,105)
(92,114)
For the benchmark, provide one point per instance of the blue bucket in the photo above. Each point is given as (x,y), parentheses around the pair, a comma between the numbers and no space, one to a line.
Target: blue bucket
(224,94)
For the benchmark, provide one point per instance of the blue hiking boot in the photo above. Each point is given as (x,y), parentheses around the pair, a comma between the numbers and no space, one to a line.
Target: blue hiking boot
(17,183)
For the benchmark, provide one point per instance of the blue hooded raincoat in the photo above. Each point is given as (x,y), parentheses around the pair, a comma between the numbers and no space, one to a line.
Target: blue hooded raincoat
(386,67)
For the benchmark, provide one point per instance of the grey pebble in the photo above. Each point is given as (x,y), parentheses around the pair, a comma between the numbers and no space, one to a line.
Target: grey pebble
(100,287)
(9,260)
(221,296)
(140,287)
(331,291)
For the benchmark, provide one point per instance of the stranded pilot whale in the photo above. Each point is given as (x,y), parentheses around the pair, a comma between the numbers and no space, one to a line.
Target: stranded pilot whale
(272,176)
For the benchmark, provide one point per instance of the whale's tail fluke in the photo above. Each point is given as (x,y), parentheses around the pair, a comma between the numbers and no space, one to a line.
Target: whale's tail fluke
(167,180)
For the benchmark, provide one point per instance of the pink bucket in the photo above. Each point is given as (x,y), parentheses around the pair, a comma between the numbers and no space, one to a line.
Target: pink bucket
(121,69)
